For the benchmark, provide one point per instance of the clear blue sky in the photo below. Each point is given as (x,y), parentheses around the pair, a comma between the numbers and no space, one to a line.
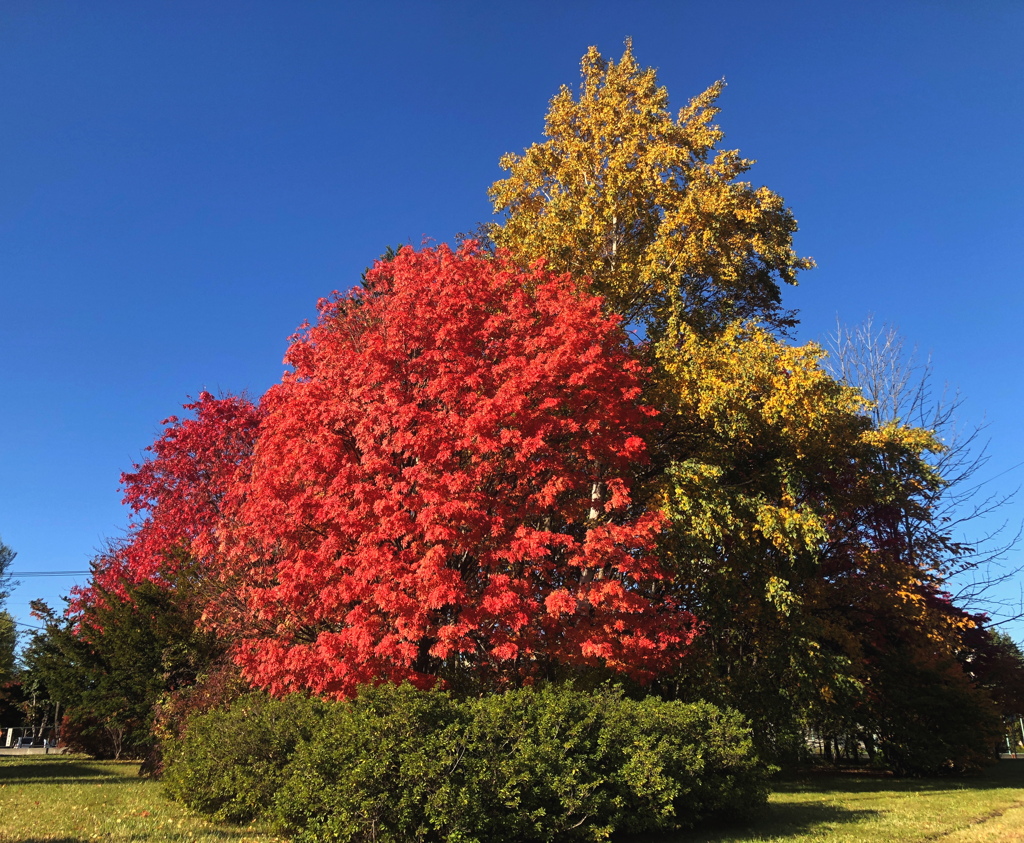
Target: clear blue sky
(180,181)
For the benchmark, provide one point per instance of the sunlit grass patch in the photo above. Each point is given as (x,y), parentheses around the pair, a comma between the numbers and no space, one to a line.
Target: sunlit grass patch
(68,800)
(76,799)
(834,808)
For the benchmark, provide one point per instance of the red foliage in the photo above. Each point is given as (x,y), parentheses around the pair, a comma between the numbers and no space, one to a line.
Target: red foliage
(445,484)
(176,495)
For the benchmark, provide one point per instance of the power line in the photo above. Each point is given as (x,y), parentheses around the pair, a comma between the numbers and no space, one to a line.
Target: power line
(46,573)
(26,626)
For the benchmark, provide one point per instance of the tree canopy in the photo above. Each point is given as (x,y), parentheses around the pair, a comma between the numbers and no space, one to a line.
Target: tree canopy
(473,476)
(446,483)
(6,558)
(176,497)
(646,206)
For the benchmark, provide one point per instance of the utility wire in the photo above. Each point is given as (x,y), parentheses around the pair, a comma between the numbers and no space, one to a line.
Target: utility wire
(26,626)
(46,573)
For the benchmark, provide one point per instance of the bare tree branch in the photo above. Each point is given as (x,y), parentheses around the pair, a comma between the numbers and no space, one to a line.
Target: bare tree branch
(900,385)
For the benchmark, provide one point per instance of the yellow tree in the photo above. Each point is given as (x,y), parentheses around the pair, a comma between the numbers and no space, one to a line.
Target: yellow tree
(645,205)
(789,508)
(789,505)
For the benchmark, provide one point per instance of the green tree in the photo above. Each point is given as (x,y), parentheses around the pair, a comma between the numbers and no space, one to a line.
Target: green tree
(8,628)
(8,645)
(108,666)
(6,582)
(997,662)
(783,497)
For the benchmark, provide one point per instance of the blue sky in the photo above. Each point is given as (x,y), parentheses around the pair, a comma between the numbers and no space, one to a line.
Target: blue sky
(181,181)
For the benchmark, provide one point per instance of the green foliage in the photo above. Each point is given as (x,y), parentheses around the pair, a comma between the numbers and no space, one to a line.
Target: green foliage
(537,763)
(995,663)
(8,645)
(400,764)
(108,666)
(373,770)
(787,507)
(231,761)
(6,558)
(932,721)
(699,754)
(559,764)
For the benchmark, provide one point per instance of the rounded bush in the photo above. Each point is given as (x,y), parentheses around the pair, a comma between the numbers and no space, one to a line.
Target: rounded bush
(682,762)
(549,763)
(369,773)
(404,765)
(555,763)
(230,761)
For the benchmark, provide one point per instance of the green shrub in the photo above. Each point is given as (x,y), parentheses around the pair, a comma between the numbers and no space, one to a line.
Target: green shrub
(679,763)
(533,764)
(545,764)
(402,765)
(230,761)
(560,764)
(369,773)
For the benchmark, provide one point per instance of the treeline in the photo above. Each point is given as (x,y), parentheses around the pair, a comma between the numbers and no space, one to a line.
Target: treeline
(578,447)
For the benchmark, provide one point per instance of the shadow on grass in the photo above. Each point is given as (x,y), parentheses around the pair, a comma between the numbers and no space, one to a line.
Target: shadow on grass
(29,770)
(50,839)
(158,836)
(782,818)
(1004,773)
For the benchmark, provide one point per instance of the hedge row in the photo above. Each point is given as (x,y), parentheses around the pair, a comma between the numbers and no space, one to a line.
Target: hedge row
(397,764)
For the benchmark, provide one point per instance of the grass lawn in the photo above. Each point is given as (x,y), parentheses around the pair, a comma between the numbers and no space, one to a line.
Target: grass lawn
(73,799)
(836,808)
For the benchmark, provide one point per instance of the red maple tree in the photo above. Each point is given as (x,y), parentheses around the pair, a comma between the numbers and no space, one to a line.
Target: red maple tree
(177,496)
(446,484)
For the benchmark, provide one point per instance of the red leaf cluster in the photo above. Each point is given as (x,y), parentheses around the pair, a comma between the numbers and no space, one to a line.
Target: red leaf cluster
(177,494)
(445,483)
(443,486)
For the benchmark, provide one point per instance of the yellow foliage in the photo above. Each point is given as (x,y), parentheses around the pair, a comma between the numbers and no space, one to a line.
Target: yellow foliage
(755,424)
(801,533)
(645,205)
(787,507)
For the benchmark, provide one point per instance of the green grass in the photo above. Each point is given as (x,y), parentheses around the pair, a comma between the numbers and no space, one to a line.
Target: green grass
(75,799)
(836,808)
